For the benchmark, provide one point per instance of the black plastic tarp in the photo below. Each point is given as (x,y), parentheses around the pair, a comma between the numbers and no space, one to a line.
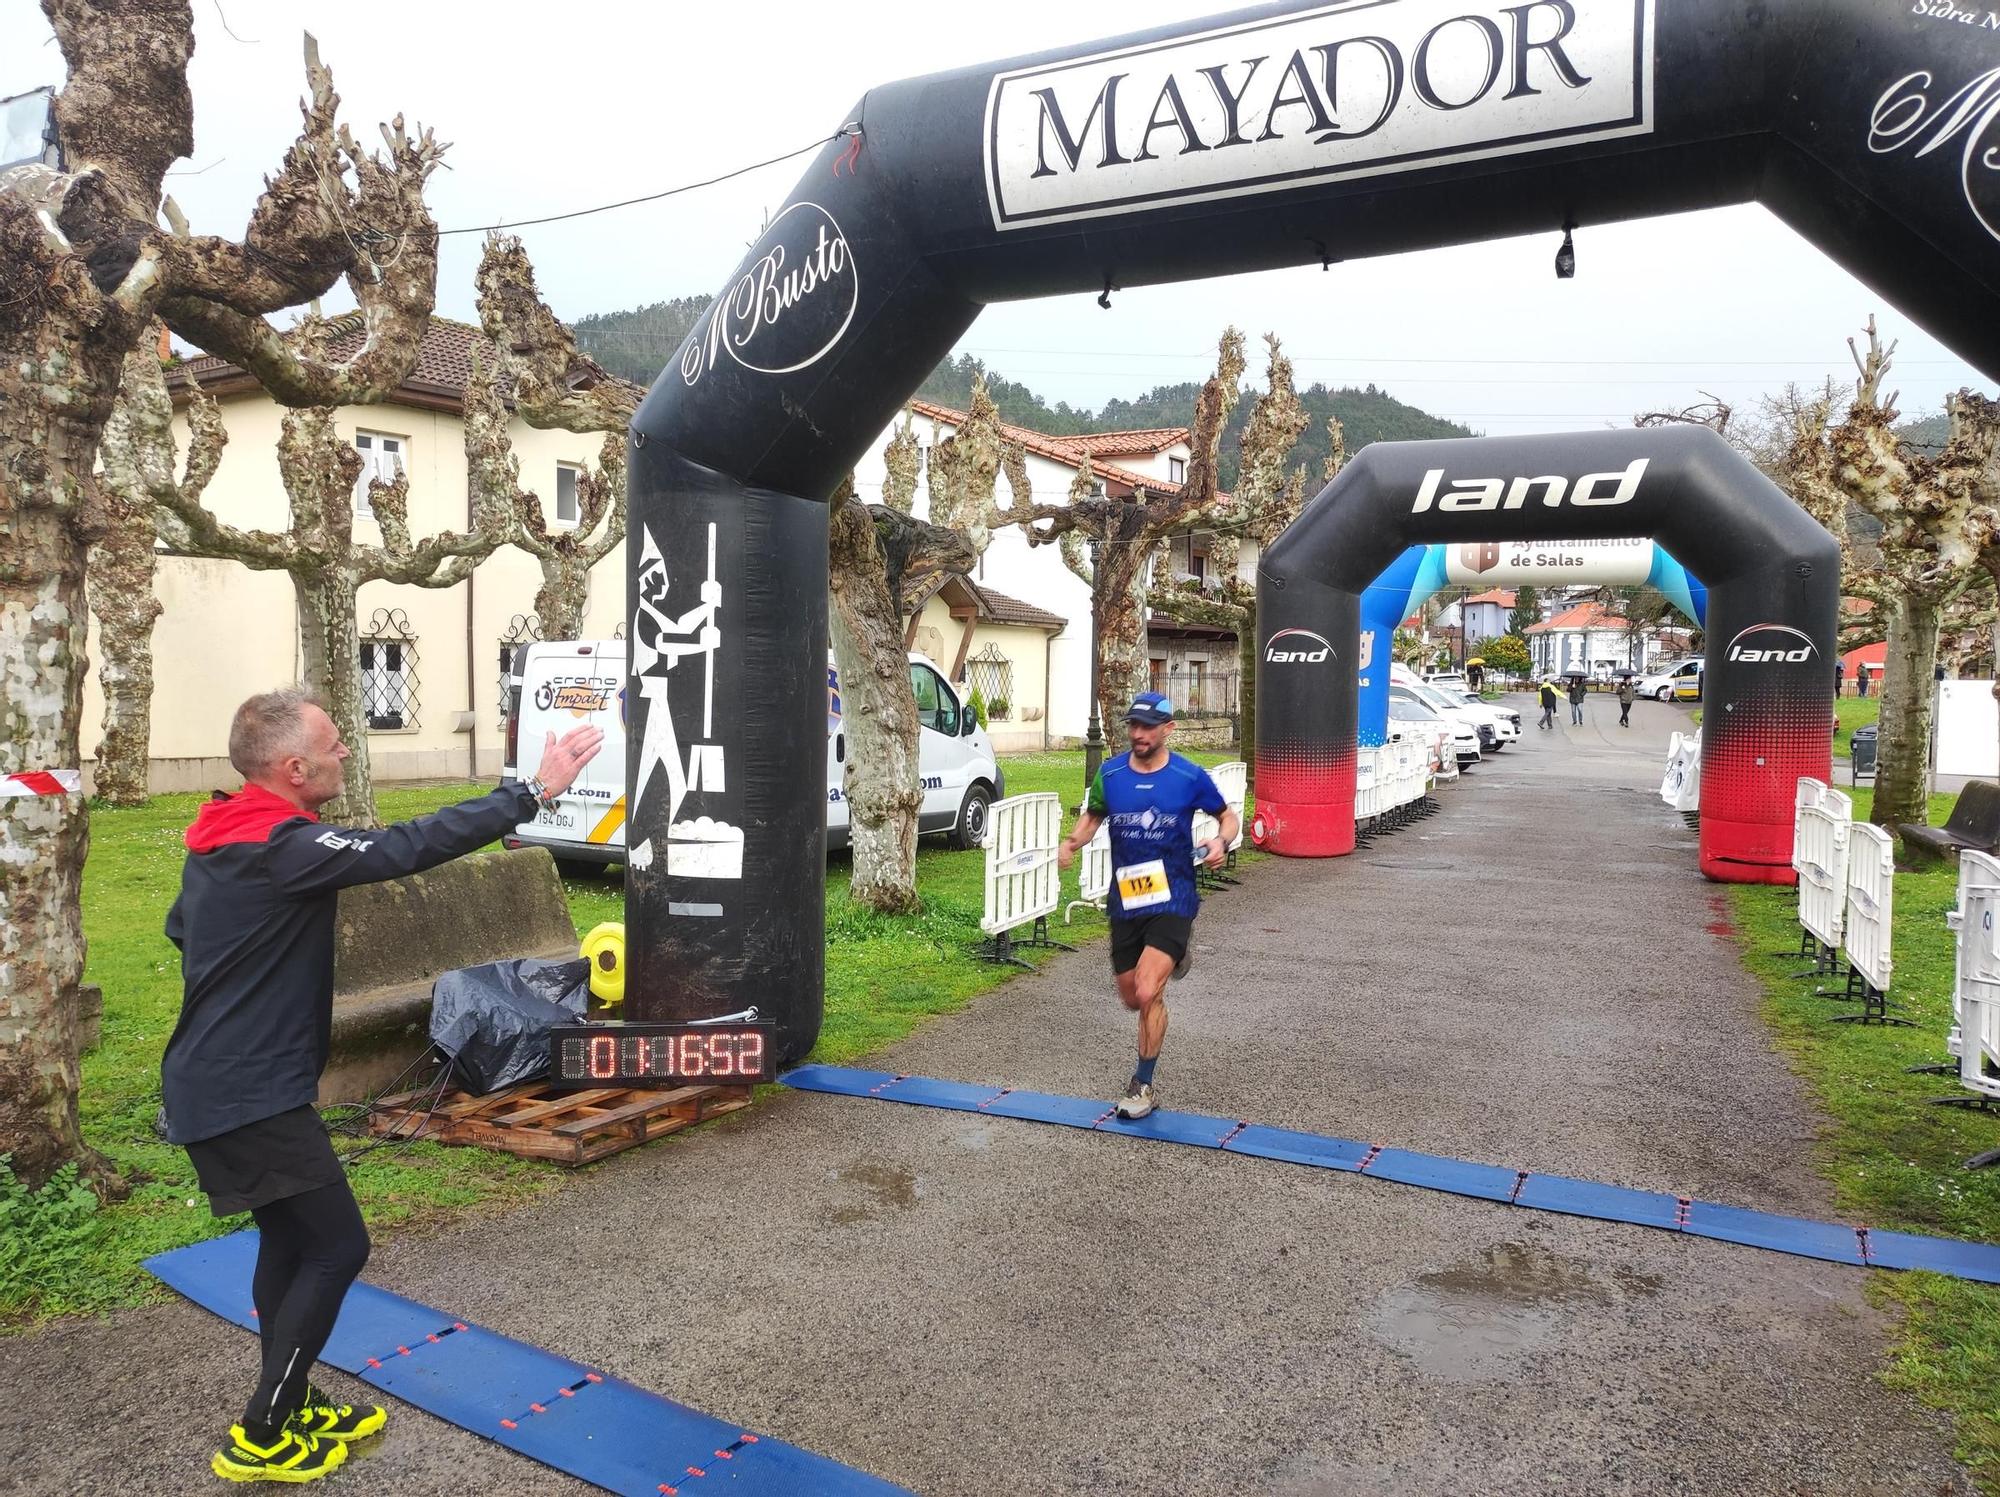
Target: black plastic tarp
(494,1020)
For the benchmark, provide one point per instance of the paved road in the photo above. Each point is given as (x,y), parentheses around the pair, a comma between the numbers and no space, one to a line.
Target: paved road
(972,1305)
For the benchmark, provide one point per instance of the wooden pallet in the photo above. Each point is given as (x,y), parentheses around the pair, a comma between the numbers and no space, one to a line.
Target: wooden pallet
(537,1121)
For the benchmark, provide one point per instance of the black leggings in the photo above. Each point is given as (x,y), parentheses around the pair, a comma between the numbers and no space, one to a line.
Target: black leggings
(311,1247)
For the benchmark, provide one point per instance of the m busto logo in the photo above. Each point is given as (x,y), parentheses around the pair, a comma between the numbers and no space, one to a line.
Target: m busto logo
(1296,647)
(789,308)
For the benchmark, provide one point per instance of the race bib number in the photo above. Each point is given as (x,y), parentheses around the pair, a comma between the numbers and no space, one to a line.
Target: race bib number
(1143,884)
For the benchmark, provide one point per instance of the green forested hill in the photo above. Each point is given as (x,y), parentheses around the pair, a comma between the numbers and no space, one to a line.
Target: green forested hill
(638,343)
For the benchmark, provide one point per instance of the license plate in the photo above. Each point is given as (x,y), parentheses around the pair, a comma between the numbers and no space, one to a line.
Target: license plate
(561,819)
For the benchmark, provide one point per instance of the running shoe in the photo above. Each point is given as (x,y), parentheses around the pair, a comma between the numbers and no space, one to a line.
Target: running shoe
(329,1420)
(292,1457)
(1137,1101)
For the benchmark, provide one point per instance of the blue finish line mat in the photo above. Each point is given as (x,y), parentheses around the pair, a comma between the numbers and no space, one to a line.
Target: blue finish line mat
(1863,1247)
(561,1413)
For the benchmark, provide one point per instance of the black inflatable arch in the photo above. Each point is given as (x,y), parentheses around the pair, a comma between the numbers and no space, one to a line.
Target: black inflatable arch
(1773,578)
(1286,135)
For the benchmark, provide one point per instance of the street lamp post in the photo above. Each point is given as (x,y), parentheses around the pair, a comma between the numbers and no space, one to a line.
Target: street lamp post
(1093,741)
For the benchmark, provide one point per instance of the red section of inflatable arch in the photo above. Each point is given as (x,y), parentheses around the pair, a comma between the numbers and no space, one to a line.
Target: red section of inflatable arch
(1305,802)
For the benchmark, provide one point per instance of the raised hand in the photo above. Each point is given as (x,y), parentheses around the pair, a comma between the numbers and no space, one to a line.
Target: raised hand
(563,758)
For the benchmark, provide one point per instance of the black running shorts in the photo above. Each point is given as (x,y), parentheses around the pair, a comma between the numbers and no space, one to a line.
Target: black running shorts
(1168,933)
(265,1161)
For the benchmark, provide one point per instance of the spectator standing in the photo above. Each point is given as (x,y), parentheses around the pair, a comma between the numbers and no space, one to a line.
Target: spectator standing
(1576,701)
(1627,695)
(1839,675)
(1549,700)
(1861,678)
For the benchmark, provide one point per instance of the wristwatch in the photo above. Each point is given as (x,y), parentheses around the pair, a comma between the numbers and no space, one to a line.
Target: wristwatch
(540,792)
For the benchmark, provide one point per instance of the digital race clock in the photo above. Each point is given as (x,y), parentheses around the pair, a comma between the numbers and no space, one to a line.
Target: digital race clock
(660,1055)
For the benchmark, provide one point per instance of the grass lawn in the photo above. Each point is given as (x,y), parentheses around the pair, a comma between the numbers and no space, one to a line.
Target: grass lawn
(1851,713)
(59,1254)
(1895,1159)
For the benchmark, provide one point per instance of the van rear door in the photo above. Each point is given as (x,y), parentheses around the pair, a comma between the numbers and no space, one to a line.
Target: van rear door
(564,685)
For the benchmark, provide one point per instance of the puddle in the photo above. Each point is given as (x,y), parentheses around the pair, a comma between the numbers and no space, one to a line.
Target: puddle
(1721,925)
(1479,1320)
(879,1187)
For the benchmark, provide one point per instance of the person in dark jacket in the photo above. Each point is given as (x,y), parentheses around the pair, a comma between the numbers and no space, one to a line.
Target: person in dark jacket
(254,924)
(1627,695)
(1549,701)
(1576,700)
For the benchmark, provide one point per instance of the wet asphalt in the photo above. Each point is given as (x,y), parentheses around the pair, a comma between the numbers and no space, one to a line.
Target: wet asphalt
(1538,978)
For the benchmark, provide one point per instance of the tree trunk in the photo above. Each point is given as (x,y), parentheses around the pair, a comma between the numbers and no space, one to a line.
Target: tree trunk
(564,592)
(1902,773)
(121,593)
(883,780)
(1121,641)
(334,614)
(1246,683)
(42,837)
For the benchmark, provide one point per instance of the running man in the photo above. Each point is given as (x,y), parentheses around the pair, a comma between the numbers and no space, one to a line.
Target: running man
(1149,796)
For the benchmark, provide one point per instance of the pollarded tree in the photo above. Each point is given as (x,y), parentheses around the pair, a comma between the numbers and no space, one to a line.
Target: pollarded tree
(553,386)
(1926,555)
(85,268)
(874,550)
(1265,500)
(329,568)
(1113,543)
(139,459)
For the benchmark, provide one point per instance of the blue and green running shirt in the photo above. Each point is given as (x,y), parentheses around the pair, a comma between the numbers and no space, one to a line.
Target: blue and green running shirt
(1151,817)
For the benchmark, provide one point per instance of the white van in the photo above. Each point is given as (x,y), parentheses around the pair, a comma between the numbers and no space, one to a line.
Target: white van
(559,684)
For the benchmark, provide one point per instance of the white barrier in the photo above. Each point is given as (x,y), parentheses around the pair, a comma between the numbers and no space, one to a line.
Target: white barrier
(1822,838)
(1023,879)
(1976,991)
(1093,873)
(1367,792)
(1233,780)
(1808,792)
(1681,788)
(1871,890)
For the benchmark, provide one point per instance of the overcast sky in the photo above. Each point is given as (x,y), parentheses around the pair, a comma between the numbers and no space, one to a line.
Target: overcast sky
(552,107)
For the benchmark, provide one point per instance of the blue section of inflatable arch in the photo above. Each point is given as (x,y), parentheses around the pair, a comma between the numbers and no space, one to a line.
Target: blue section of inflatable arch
(1413,578)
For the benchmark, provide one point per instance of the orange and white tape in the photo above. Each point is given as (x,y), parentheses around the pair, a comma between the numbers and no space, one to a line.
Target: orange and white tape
(42,782)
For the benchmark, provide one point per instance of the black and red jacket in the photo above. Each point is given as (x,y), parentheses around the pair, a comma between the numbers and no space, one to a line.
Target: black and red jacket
(254,923)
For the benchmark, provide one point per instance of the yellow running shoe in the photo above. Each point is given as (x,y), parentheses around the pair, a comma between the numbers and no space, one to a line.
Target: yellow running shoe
(328,1420)
(292,1457)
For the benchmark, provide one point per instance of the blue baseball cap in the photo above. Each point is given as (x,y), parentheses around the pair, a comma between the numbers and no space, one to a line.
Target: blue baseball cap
(1150,708)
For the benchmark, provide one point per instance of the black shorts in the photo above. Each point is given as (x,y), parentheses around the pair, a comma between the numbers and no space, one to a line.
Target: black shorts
(266,1161)
(1167,933)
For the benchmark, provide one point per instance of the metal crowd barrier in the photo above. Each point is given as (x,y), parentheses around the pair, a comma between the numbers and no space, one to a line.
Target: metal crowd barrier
(1976,989)
(1681,788)
(1093,874)
(1867,935)
(1023,881)
(1820,849)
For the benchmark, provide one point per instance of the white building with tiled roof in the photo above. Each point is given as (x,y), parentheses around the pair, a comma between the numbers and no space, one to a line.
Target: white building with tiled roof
(1589,639)
(430,657)
(1194,664)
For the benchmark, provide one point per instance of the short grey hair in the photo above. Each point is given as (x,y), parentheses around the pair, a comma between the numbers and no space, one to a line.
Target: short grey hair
(267,728)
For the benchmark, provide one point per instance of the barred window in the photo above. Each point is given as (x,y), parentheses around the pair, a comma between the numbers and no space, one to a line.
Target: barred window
(389,672)
(991,674)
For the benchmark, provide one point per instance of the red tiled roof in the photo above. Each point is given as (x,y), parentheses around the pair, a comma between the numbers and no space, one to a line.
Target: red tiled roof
(1131,443)
(444,361)
(1591,615)
(1498,595)
(1062,450)
(1006,610)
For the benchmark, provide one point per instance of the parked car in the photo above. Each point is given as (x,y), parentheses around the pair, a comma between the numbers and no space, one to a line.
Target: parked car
(1678,682)
(1508,729)
(558,684)
(1468,751)
(1450,738)
(1485,719)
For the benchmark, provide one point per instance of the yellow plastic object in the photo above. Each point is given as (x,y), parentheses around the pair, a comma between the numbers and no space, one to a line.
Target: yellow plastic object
(605,946)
